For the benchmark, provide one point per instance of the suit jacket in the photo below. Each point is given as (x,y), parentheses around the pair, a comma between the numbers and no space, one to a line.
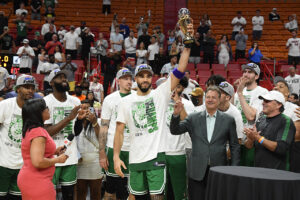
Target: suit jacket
(206,153)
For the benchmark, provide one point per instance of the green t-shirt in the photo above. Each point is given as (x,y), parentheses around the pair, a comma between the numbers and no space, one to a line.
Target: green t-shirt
(21,28)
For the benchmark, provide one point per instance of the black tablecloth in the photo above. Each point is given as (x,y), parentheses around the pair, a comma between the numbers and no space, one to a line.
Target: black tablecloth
(251,183)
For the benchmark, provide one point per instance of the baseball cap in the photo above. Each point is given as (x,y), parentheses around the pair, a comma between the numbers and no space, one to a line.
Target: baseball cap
(273,96)
(252,66)
(55,73)
(25,41)
(5,27)
(123,72)
(160,81)
(227,88)
(37,33)
(197,92)
(143,67)
(25,80)
(96,76)
(274,8)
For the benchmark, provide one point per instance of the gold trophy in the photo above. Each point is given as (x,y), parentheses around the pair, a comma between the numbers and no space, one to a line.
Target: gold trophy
(184,20)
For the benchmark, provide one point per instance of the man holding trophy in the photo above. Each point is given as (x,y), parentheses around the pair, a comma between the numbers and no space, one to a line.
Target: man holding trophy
(143,113)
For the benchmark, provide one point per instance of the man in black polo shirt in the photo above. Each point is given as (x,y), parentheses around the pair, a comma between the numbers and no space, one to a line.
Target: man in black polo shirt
(273,135)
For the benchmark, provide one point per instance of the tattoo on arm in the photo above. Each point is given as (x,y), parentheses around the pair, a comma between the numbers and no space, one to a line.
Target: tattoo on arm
(103,134)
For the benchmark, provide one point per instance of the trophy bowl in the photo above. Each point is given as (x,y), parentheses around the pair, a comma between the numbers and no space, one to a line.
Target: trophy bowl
(183,22)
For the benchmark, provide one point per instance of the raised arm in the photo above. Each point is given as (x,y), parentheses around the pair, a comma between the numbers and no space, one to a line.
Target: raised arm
(177,127)
(56,128)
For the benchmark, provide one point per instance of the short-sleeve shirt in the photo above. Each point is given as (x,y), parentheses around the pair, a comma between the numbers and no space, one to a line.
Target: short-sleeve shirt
(145,118)
(280,129)
(256,57)
(117,38)
(71,39)
(26,60)
(58,111)
(21,28)
(294,49)
(10,134)
(251,97)
(152,50)
(294,83)
(3,77)
(97,88)
(69,70)
(237,28)
(6,42)
(110,112)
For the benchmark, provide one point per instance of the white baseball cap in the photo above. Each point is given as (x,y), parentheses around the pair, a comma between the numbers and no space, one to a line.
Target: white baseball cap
(273,96)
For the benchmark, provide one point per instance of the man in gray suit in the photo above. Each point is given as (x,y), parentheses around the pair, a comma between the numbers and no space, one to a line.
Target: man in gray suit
(210,131)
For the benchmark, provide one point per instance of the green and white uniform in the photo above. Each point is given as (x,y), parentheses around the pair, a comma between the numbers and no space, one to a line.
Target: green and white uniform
(110,112)
(10,146)
(251,97)
(145,118)
(175,154)
(65,173)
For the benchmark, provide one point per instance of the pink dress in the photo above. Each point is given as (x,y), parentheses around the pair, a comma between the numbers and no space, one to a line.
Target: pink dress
(34,183)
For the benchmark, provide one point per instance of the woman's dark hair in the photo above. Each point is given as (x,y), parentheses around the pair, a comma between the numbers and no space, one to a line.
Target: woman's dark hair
(32,114)
(60,49)
(226,38)
(252,46)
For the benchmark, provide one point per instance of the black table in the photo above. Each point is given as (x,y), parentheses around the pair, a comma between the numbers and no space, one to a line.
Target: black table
(252,183)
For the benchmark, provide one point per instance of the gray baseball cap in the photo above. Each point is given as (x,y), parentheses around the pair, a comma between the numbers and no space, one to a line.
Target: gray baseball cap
(25,41)
(55,73)
(143,67)
(227,88)
(252,66)
(123,72)
(25,80)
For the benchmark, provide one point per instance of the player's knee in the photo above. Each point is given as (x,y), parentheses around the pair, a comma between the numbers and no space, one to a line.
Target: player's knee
(157,196)
(108,196)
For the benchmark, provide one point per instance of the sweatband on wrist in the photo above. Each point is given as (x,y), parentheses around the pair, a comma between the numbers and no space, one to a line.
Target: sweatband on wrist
(178,74)
(261,140)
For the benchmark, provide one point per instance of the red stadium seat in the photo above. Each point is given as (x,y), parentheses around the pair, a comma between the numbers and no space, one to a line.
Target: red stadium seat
(285,68)
(191,67)
(235,73)
(39,78)
(204,73)
(234,67)
(221,72)
(202,67)
(218,67)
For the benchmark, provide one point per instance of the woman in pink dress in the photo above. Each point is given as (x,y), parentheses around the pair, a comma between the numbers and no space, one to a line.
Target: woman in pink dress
(38,150)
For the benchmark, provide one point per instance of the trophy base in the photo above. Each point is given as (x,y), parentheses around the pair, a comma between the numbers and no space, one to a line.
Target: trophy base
(188,42)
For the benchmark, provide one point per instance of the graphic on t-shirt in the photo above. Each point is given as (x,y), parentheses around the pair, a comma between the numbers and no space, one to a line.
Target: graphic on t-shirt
(126,130)
(15,131)
(144,116)
(239,106)
(170,111)
(59,113)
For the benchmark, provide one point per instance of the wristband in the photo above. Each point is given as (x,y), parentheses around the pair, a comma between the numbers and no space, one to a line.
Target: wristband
(178,74)
(261,140)
(95,124)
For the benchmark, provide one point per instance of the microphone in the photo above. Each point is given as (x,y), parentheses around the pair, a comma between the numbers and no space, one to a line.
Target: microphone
(68,142)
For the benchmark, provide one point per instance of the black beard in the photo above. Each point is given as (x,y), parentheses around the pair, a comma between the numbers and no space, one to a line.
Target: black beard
(144,90)
(60,88)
